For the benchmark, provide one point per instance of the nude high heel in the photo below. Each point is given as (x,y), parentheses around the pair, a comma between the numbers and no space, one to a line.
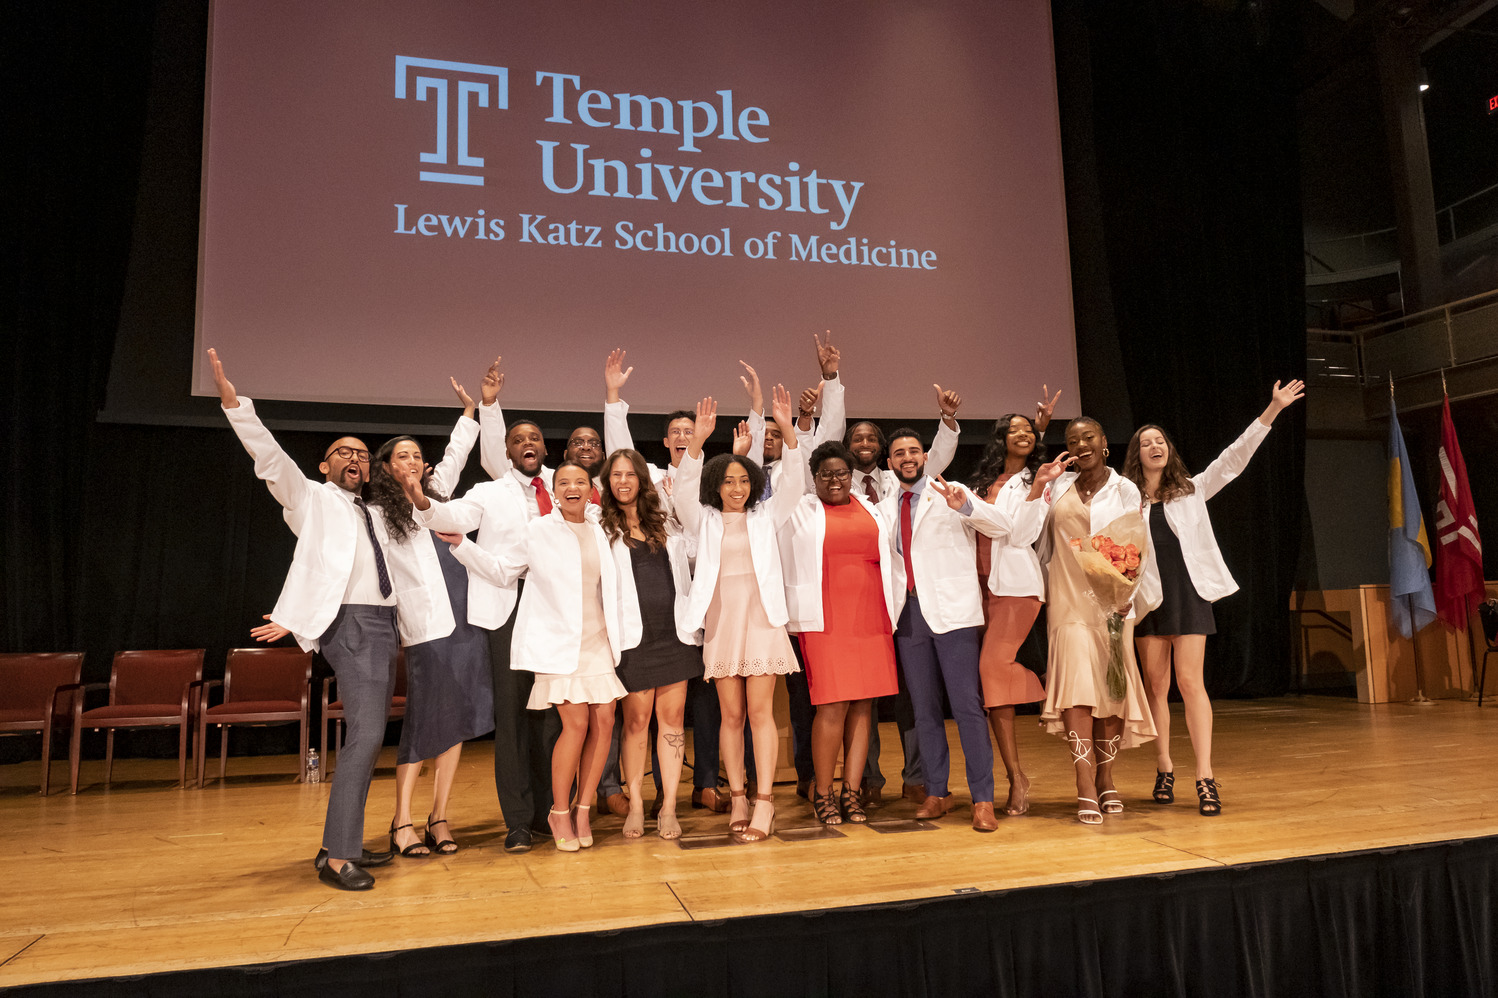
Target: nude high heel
(564,843)
(752,834)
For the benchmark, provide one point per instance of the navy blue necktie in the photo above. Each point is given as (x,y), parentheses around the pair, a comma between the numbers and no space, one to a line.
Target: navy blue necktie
(384,573)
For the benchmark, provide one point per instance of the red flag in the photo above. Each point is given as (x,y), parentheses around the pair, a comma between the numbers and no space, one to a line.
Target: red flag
(1458,545)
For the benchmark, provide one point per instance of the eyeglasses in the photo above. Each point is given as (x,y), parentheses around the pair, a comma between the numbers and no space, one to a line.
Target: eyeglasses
(348,454)
(845,475)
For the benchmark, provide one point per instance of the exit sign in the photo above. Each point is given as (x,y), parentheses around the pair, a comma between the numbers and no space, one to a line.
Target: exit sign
(1493,105)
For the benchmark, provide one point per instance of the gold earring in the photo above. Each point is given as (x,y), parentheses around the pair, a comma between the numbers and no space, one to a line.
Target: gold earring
(1105,452)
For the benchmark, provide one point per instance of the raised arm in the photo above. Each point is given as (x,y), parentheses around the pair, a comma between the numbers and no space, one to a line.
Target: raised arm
(756,419)
(616,435)
(685,499)
(989,519)
(459,445)
(944,447)
(794,479)
(272,464)
(1231,462)
(456,516)
(501,569)
(492,453)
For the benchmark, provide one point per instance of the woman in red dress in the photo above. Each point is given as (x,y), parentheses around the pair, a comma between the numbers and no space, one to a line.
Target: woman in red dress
(840,597)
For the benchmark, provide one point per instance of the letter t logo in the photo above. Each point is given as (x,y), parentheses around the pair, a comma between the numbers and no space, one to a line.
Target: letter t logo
(466,94)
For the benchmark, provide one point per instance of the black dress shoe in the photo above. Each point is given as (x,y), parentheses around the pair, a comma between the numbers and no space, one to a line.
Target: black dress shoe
(350,878)
(366,859)
(519,840)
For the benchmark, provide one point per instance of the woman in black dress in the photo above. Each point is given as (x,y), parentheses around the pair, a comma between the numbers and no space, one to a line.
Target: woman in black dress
(658,658)
(1184,574)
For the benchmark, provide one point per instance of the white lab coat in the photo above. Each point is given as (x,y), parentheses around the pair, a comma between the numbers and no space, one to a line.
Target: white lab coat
(1116,497)
(764,521)
(548,628)
(680,549)
(1188,517)
(1014,568)
(943,552)
(801,559)
(499,511)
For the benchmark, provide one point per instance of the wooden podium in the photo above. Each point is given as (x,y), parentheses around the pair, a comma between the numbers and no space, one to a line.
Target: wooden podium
(1384,661)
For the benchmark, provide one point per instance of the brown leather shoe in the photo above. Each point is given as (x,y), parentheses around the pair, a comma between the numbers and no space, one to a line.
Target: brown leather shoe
(803,789)
(617,804)
(913,791)
(710,798)
(983,819)
(935,807)
(872,796)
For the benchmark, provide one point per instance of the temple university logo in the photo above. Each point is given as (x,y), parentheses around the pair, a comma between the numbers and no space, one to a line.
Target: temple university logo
(455,89)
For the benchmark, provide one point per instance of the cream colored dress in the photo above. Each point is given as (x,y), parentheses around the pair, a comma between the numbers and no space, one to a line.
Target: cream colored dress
(595,680)
(1077,670)
(740,641)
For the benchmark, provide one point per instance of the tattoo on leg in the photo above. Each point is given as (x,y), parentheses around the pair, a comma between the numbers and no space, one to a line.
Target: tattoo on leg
(677,740)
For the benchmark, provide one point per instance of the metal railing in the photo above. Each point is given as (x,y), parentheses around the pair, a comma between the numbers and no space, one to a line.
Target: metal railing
(1437,339)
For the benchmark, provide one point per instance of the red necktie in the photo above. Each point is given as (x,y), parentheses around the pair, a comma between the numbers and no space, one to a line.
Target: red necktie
(543,500)
(906,498)
(595,500)
(869,490)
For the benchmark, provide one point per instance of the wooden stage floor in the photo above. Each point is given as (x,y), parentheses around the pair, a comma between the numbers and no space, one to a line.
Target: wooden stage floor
(143,877)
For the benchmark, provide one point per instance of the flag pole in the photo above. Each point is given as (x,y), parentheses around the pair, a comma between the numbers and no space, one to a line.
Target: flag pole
(1420,700)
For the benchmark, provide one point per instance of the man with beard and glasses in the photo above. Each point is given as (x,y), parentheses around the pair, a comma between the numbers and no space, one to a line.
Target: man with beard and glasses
(337,599)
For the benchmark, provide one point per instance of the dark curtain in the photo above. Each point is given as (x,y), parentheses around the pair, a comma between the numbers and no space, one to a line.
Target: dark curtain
(1179,128)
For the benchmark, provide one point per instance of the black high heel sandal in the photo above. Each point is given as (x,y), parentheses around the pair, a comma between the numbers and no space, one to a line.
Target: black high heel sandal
(1209,803)
(851,804)
(826,807)
(439,846)
(409,851)
(1165,788)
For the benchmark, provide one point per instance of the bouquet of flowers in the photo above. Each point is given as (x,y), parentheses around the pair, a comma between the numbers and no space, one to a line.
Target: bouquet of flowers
(1113,562)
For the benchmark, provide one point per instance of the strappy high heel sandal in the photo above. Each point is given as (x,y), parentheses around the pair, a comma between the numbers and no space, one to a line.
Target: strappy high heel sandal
(851,804)
(586,841)
(439,846)
(410,850)
(825,806)
(1081,752)
(1208,802)
(1165,783)
(1107,751)
(564,843)
(737,825)
(1088,815)
(752,834)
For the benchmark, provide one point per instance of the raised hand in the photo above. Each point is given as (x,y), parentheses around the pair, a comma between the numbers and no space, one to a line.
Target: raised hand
(741,439)
(953,494)
(665,485)
(268,632)
(810,398)
(751,386)
(1292,391)
(1044,408)
(780,409)
(949,402)
(226,391)
(494,380)
(1282,397)
(702,428)
(827,355)
(463,396)
(410,482)
(615,374)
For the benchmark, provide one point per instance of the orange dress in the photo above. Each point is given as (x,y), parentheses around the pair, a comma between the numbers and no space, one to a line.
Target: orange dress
(853,656)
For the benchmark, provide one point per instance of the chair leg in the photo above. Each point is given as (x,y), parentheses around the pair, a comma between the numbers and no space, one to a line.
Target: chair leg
(200,751)
(46,755)
(223,751)
(75,745)
(302,765)
(1482,677)
(108,756)
(184,734)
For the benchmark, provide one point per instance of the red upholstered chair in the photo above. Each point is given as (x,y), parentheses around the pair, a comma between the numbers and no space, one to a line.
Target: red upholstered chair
(147,689)
(1487,612)
(333,710)
(36,691)
(261,686)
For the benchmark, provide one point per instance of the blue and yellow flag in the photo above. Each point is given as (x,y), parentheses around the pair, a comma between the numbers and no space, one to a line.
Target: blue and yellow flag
(1410,593)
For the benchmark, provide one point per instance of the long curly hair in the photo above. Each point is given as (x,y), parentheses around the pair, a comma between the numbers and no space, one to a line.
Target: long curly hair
(996,454)
(717,469)
(385,492)
(1175,480)
(648,508)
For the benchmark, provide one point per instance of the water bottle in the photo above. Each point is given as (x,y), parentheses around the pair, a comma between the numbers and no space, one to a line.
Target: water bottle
(314,768)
